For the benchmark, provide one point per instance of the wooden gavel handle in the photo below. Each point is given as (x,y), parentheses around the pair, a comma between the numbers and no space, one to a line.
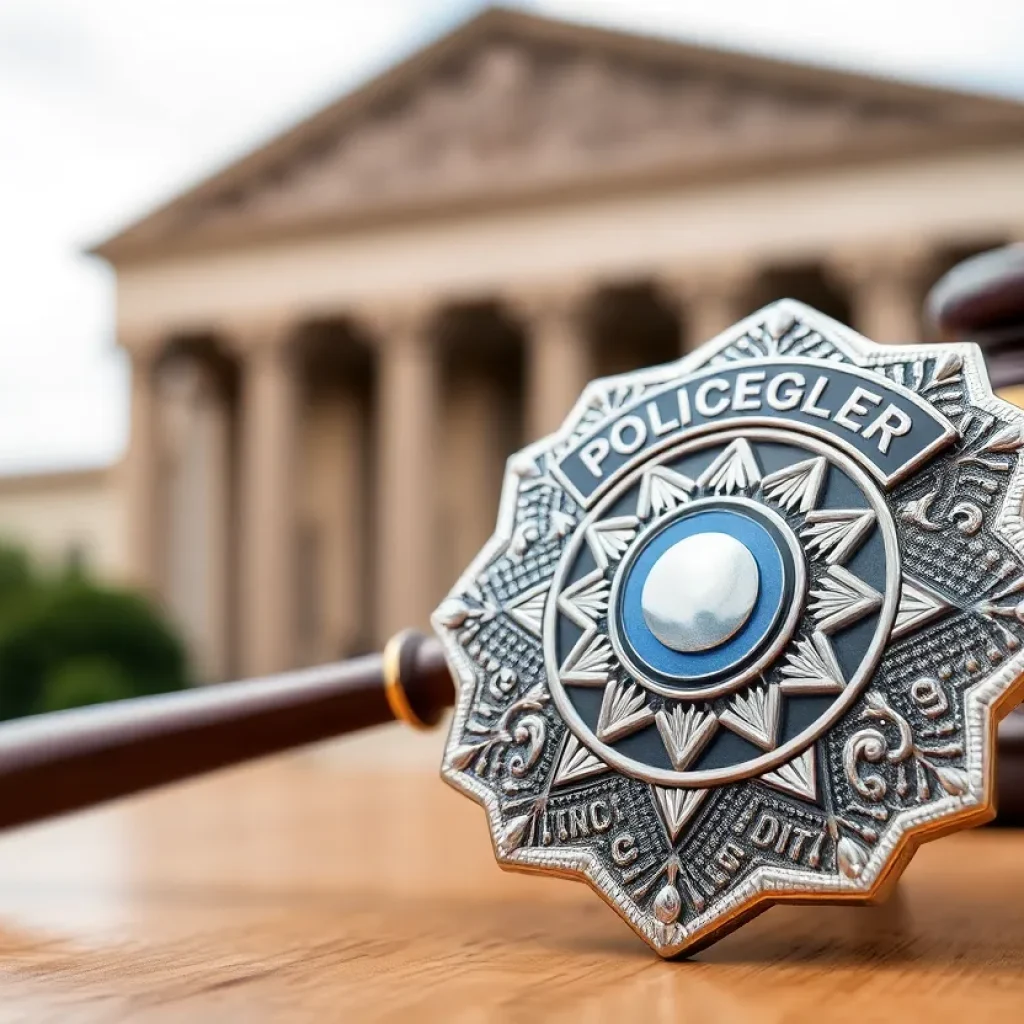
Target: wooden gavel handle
(1010,771)
(71,760)
(51,764)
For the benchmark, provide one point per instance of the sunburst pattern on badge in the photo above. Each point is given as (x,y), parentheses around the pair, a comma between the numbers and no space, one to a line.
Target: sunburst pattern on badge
(837,599)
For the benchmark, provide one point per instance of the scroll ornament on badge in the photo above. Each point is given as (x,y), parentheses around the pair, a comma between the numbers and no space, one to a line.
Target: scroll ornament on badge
(745,626)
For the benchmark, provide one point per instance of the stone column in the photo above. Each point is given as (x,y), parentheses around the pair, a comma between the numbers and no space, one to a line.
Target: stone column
(708,300)
(219,505)
(336,480)
(559,355)
(270,410)
(195,432)
(476,407)
(142,478)
(885,289)
(407,482)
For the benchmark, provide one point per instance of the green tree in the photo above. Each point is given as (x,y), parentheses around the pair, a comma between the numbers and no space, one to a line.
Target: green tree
(16,574)
(66,641)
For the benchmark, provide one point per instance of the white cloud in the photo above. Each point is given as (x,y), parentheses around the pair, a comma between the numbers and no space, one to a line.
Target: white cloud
(108,106)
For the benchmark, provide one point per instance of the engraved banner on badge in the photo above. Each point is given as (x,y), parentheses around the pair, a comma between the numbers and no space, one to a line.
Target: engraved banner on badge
(887,424)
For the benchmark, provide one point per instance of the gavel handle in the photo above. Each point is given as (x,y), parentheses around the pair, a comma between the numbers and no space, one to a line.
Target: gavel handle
(1010,770)
(69,760)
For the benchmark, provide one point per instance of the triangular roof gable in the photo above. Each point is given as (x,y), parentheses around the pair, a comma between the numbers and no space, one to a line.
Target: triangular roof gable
(766,111)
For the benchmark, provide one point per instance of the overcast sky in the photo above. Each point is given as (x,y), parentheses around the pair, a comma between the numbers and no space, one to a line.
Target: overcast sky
(109,106)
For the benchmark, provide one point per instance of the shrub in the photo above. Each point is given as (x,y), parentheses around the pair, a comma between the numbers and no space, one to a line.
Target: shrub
(66,641)
(16,574)
(92,679)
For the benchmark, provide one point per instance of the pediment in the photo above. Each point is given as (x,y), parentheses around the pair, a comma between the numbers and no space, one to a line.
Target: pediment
(512,105)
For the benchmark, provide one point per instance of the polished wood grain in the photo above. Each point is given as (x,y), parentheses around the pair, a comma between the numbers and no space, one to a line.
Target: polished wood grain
(351,884)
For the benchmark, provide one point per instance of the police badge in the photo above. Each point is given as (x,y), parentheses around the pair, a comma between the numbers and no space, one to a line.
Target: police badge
(746,626)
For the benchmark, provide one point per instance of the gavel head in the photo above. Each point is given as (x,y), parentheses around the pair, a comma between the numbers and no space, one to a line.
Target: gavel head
(982,300)
(748,619)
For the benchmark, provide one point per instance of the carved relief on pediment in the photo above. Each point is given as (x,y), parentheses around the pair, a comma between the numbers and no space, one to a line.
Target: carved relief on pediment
(511,117)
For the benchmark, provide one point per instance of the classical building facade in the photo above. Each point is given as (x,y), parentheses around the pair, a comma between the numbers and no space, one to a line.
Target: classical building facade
(336,340)
(67,520)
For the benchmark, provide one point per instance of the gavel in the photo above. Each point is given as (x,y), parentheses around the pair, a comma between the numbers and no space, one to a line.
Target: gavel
(61,762)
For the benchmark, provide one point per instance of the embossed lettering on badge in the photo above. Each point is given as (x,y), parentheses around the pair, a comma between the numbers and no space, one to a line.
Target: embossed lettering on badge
(746,625)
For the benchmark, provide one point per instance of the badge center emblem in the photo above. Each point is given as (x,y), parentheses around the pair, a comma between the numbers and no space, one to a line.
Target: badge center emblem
(700,591)
(684,674)
(730,550)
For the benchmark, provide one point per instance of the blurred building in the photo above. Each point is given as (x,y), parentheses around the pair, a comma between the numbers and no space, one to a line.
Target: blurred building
(69,520)
(336,340)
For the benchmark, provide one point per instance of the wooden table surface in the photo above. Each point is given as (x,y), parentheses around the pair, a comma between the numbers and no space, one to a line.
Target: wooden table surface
(334,887)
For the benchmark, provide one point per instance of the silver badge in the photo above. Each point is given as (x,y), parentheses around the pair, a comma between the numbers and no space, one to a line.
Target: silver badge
(746,625)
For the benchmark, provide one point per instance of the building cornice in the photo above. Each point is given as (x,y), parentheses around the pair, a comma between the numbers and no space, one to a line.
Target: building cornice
(36,481)
(180,225)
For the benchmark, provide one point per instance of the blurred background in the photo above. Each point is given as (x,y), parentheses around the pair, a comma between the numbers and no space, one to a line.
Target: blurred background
(283,283)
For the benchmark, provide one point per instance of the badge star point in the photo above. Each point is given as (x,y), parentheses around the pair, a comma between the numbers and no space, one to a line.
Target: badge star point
(918,607)
(798,777)
(841,599)
(610,538)
(734,471)
(589,662)
(576,762)
(586,600)
(812,668)
(663,490)
(797,487)
(685,733)
(755,716)
(624,710)
(677,806)
(527,610)
(835,534)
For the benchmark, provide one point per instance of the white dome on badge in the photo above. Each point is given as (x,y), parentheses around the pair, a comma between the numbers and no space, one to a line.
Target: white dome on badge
(700,592)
